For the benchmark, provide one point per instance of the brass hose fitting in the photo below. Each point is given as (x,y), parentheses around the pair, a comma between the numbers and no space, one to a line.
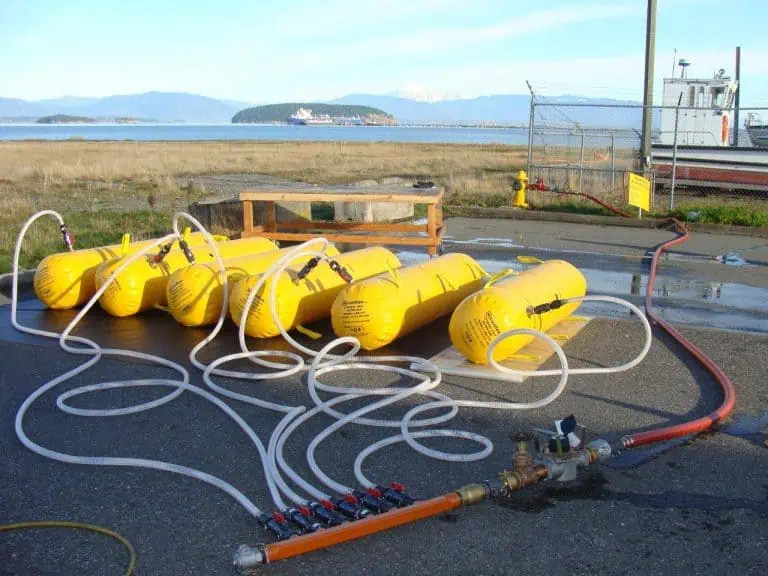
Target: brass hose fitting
(472,494)
(518,479)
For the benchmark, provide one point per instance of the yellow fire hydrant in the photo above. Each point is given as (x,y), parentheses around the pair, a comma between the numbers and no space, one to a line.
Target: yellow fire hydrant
(520,186)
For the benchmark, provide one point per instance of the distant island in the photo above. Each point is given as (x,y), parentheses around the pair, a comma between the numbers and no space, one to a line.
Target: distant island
(65,119)
(69,119)
(314,113)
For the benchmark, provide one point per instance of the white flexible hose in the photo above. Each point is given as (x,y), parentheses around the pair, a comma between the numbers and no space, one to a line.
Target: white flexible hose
(323,362)
(92,349)
(407,421)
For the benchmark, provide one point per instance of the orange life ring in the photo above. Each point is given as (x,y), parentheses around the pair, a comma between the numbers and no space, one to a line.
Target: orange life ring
(725,132)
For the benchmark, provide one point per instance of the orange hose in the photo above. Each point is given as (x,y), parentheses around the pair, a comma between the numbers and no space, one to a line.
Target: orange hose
(729,394)
(353,530)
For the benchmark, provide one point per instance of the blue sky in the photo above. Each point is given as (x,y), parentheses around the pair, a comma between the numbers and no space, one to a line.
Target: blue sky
(268,51)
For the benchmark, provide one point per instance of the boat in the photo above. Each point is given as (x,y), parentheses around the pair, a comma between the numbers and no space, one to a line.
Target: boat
(705,115)
(757,130)
(299,117)
(304,117)
(703,154)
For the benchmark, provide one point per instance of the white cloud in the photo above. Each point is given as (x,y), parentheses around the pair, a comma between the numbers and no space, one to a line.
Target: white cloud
(431,40)
(619,77)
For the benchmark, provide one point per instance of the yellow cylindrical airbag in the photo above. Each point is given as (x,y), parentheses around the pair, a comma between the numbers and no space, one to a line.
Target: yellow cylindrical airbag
(142,285)
(195,292)
(507,304)
(309,300)
(67,279)
(380,310)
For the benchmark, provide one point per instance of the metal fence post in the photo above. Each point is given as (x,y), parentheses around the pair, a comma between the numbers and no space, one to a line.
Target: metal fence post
(674,156)
(530,134)
(613,161)
(581,162)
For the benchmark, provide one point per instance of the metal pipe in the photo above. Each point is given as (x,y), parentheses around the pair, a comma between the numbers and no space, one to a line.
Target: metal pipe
(736,101)
(650,55)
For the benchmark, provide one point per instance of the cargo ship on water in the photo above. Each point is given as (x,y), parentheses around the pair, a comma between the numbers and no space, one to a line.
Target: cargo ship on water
(704,157)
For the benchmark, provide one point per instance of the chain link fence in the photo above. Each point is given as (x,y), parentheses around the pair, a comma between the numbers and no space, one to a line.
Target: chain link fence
(702,159)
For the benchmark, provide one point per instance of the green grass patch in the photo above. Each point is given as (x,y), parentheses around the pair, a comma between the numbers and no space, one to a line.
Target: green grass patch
(478,200)
(737,215)
(91,229)
(575,207)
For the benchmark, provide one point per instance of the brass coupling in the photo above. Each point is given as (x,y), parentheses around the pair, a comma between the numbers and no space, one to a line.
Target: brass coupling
(473,494)
(520,478)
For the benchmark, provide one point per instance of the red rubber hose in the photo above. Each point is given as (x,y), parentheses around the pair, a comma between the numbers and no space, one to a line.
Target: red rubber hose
(729,394)
(597,201)
(541,187)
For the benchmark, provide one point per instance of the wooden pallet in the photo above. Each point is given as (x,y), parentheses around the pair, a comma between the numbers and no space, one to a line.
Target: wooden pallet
(429,235)
(530,357)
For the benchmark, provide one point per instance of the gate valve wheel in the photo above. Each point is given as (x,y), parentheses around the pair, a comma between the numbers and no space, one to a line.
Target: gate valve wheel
(304,511)
(327,504)
(397,487)
(351,498)
(375,492)
(522,437)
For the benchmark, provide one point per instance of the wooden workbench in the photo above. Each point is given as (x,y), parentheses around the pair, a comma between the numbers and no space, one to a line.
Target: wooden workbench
(347,232)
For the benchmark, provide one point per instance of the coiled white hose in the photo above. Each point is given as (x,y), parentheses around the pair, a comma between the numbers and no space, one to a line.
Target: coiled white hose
(96,352)
(323,362)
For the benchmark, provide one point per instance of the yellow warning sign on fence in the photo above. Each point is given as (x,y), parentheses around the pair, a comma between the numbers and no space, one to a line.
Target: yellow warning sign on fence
(639,192)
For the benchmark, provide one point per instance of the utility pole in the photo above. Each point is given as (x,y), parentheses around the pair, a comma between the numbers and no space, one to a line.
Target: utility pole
(650,55)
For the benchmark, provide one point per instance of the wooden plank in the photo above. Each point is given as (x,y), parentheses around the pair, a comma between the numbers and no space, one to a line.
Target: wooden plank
(371,226)
(247,216)
(529,358)
(270,217)
(256,231)
(352,238)
(431,221)
(256,196)
(432,229)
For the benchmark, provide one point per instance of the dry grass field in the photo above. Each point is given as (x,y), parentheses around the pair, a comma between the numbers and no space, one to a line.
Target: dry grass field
(105,189)
(108,188)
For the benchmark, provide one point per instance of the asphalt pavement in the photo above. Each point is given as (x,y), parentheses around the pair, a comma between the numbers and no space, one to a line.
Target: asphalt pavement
(695,507)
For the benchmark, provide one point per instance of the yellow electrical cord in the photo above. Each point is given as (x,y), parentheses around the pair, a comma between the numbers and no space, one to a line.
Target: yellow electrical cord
(79,526)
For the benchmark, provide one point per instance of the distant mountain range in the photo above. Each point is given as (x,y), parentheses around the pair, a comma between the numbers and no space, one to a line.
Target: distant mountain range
(501,109)
(184,107)
(163,106)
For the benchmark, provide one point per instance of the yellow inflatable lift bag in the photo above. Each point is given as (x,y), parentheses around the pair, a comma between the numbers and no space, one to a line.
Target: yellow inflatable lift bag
(142,285)
(380,310)
(507,304)
(195,292)
(311,299)
(67,279)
